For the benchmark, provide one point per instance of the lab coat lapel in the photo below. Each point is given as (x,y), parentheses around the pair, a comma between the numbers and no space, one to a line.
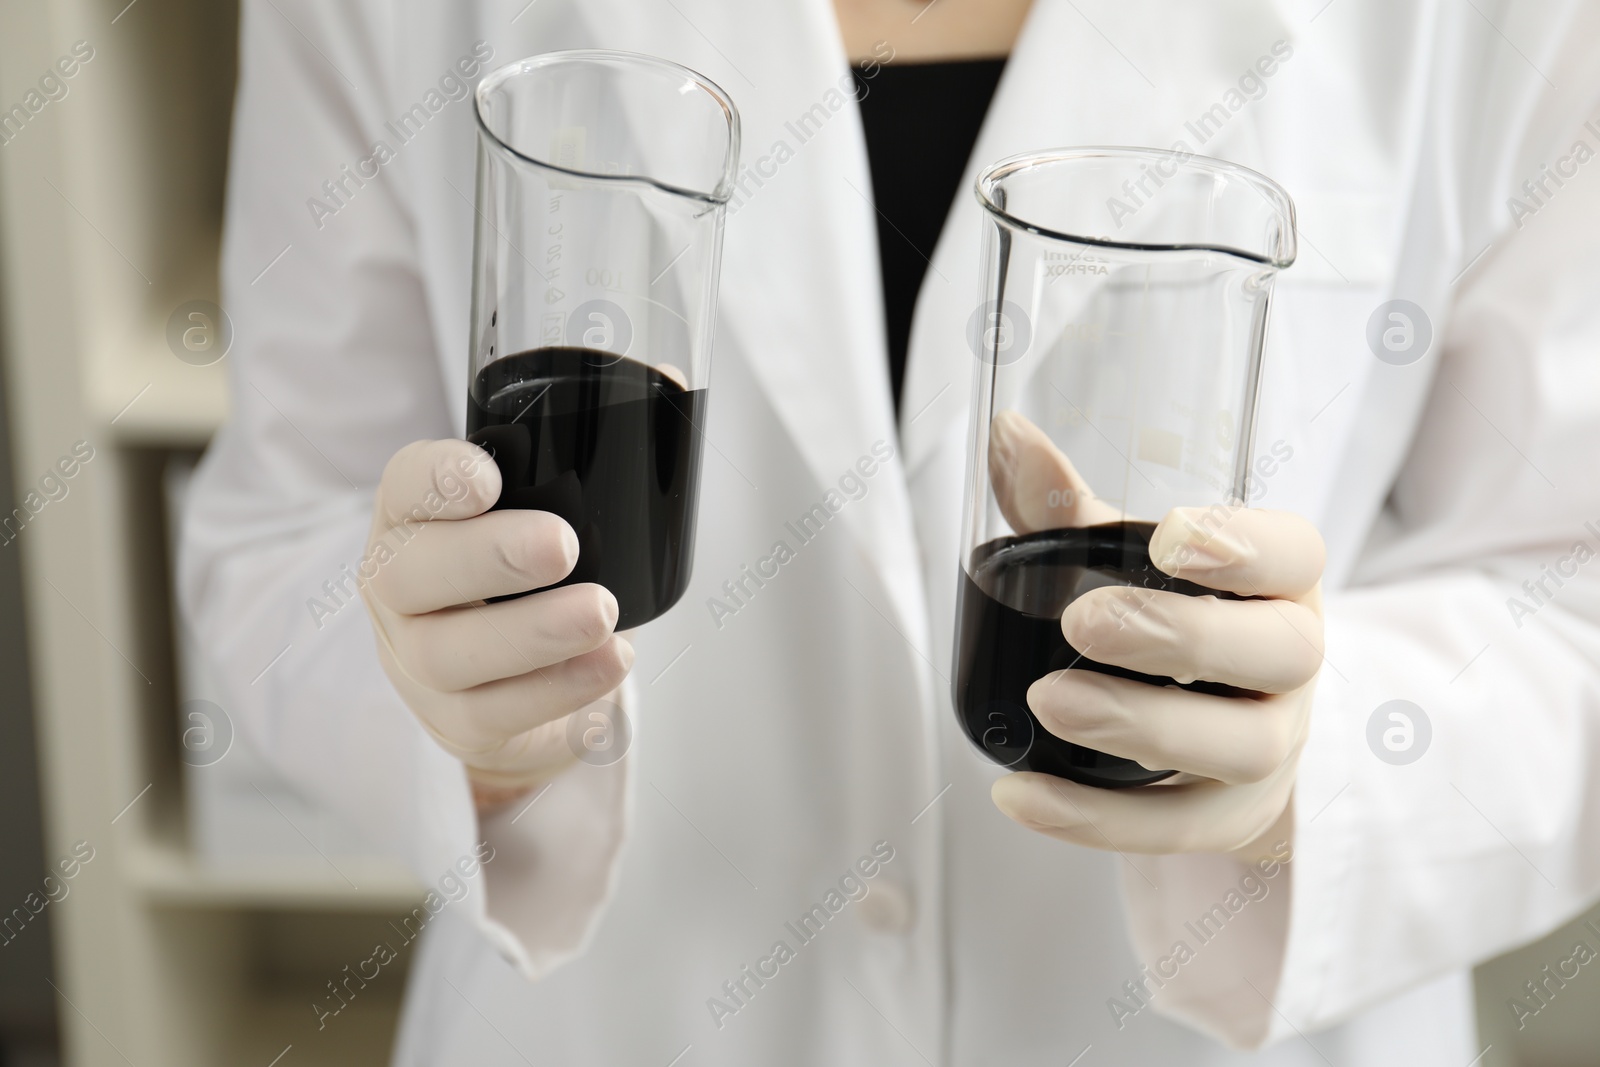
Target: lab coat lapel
(1389,400)
(800,293)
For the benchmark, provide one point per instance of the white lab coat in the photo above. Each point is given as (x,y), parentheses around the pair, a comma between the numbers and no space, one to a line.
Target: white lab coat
(773,751)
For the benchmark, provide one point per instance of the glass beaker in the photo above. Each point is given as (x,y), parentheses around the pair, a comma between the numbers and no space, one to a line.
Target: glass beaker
(1125,309)
(603,179)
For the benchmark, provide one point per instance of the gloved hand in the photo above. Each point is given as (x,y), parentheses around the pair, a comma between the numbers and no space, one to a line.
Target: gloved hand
(1238,754)
(493,683)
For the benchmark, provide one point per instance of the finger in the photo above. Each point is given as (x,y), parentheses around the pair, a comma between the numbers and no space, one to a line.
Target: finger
(1156,820)
(527,760)
(427,480)
(459,648)
(671,371)
(540,753)
(1250,551)
(444,564)
(1035,485)
(1230,739)
(491,714)
(1268,646)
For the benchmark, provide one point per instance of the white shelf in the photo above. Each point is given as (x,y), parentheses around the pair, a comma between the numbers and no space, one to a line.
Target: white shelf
(110,207)
(171,876)
(279,1024)
(146,396)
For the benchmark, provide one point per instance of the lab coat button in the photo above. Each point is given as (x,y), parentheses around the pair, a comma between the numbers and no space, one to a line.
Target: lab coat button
(887,908)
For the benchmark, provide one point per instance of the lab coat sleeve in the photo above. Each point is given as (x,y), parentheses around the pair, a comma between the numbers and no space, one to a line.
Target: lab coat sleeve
(1477,601)
(332,370)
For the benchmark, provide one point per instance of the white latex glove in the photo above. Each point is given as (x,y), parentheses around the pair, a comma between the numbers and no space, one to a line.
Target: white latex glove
(493,683)
(1239,754)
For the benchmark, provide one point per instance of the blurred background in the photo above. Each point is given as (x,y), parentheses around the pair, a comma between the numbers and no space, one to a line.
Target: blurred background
(164,898)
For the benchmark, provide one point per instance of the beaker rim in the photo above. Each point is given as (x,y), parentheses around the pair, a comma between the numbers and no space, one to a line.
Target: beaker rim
(718,196)
(991,175)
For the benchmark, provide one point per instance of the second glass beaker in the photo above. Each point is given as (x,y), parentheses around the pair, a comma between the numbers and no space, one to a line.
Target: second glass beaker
(1125,311)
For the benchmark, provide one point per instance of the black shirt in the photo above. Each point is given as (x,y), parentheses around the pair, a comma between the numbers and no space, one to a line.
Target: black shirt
(921,121)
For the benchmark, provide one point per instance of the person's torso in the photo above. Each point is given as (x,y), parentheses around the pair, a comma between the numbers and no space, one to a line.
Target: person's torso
(787,726)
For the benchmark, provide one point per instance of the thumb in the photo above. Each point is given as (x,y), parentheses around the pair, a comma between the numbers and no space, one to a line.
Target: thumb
(1035,484)
(449,479)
